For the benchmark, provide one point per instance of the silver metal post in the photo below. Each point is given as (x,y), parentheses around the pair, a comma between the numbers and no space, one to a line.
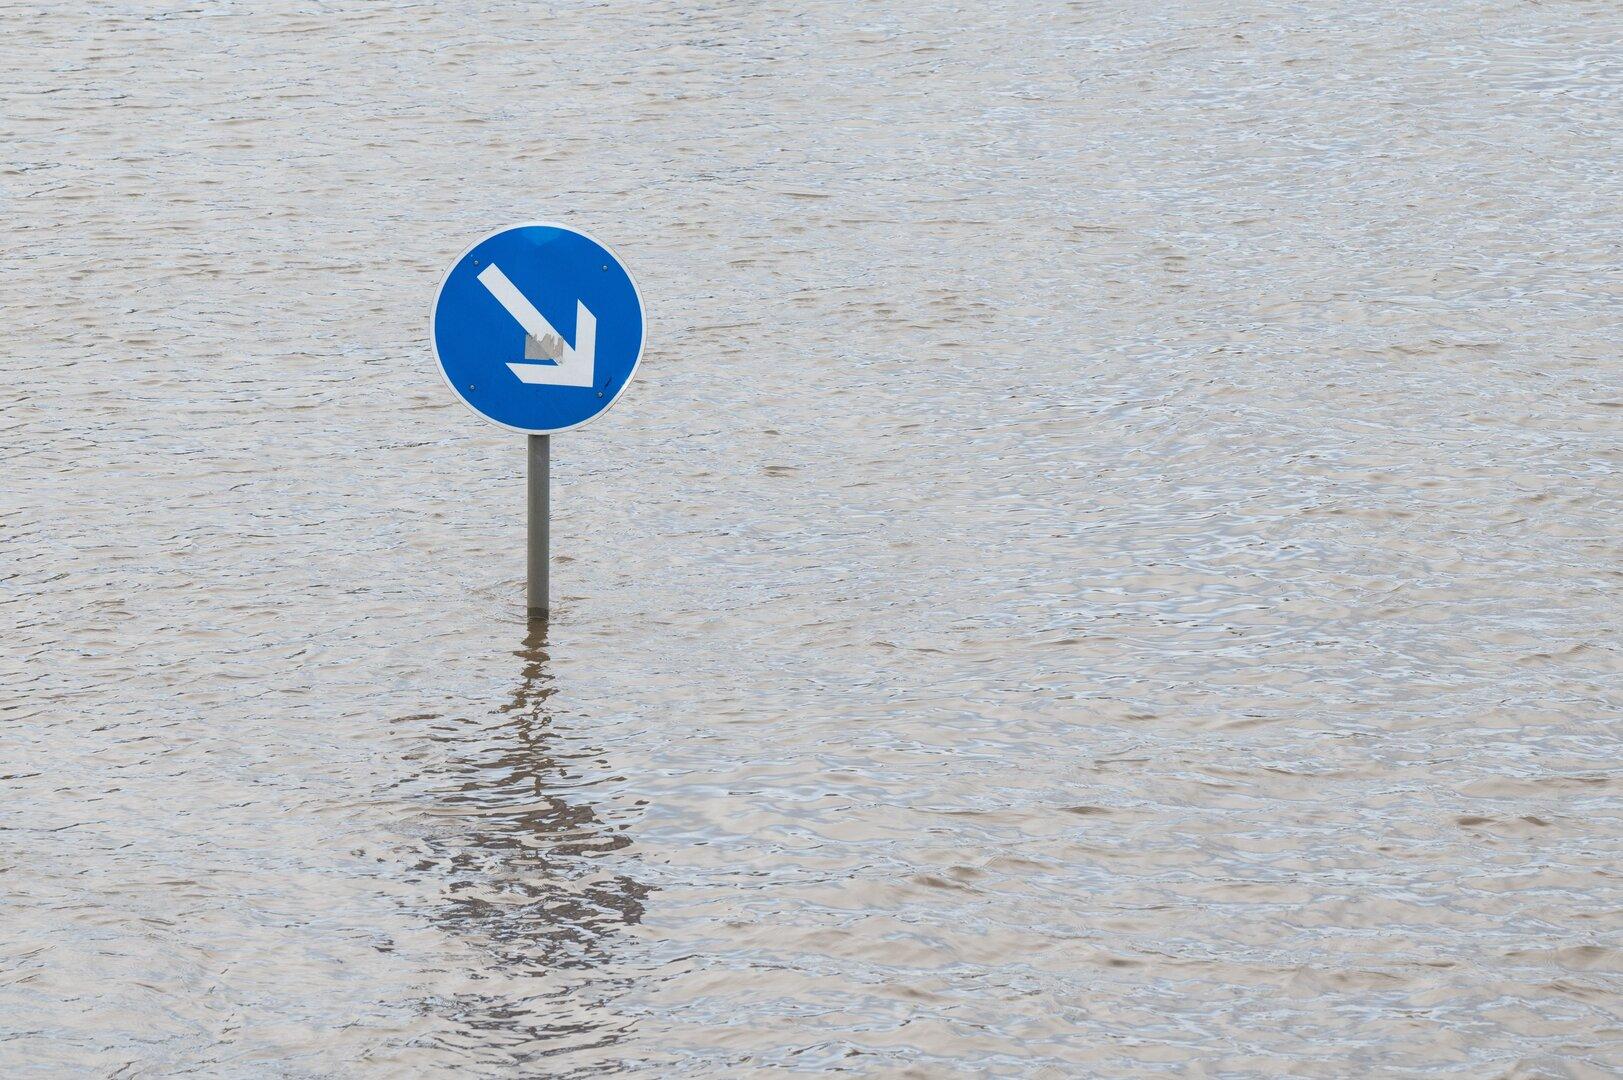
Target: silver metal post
(540,503)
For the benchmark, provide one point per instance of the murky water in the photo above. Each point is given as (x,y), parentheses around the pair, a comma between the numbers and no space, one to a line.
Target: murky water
(1110,566)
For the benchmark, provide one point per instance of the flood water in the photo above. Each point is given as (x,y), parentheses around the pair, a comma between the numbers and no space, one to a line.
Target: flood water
(1110,565)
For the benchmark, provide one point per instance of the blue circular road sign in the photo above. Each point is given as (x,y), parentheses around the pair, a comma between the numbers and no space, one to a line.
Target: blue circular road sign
(538,328)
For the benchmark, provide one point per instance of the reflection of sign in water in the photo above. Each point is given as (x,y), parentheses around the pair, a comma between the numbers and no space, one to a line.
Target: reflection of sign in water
(523,867)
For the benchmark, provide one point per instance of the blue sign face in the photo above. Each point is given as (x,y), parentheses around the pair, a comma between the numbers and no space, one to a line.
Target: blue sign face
(538,328)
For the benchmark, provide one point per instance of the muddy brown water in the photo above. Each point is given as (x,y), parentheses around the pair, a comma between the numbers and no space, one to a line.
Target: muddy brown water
(1110,566)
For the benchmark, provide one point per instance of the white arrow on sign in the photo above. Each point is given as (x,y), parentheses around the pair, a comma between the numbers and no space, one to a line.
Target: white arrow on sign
(575,365)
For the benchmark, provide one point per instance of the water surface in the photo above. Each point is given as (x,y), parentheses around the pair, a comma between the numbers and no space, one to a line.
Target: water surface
(1110,566)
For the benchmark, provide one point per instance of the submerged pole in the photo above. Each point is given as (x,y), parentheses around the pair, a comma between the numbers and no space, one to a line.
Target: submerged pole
(537,591)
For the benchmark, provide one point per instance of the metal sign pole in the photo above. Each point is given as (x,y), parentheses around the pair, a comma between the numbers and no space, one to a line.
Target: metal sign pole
(540,504)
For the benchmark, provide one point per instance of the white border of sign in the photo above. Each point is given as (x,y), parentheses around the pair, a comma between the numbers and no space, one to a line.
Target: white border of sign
(433,314)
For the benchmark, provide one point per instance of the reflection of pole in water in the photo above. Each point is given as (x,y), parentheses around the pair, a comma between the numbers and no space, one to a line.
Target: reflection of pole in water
(521,863)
